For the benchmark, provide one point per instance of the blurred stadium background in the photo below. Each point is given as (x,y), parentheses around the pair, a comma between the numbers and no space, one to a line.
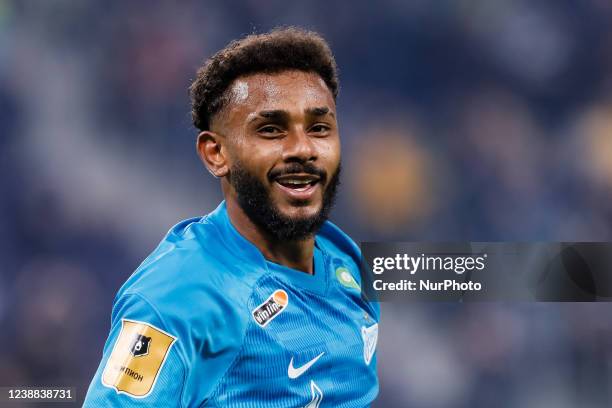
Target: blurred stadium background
(461,120)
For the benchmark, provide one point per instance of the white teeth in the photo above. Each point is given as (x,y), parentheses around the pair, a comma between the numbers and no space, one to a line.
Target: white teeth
(297,182)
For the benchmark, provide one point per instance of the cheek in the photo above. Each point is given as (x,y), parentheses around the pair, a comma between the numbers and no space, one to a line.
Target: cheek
(329,151)
(259,157)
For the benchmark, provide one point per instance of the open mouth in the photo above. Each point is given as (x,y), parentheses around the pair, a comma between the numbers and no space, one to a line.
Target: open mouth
(298,186)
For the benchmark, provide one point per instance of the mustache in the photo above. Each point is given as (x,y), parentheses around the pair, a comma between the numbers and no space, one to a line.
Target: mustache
(296,168)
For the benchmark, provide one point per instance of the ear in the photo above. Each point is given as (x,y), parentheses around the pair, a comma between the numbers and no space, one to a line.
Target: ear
(212,153)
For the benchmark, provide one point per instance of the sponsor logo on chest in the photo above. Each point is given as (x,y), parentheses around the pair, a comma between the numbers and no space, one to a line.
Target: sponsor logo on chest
(271,308)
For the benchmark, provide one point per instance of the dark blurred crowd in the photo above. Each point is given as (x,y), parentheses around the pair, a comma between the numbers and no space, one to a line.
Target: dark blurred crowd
(460,120)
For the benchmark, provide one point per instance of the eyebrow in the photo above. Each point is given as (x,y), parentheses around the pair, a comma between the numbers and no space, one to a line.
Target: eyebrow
(271,114)
(279,114)
(319,111)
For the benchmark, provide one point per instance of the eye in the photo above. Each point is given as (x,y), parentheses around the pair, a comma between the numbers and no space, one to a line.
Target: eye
(270,130)
(320,128)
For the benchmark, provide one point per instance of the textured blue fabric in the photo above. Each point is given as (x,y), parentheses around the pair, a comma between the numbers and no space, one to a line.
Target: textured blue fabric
(202,284)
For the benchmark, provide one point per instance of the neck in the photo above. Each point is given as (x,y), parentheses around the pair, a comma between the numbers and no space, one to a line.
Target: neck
(292,254)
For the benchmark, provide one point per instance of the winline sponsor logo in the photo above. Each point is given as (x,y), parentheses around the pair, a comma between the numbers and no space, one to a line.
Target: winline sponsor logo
(272,307)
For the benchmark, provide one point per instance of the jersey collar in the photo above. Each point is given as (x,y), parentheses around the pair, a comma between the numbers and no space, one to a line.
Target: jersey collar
(238,244)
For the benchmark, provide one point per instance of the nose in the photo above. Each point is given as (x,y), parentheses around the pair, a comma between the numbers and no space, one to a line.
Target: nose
(299,147)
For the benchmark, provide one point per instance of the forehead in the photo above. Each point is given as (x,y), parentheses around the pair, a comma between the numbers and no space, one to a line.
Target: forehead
(292,91)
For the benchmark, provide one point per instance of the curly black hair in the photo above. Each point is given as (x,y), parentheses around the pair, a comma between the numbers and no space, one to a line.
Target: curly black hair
(278,50)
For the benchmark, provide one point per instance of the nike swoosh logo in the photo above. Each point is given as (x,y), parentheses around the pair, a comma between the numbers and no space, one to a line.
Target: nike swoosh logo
(294,373)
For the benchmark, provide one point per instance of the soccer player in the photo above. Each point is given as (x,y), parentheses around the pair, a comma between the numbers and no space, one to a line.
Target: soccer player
(257,304)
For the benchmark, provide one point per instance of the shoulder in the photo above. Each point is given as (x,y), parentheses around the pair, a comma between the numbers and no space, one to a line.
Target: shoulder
(190,261)
(192,282)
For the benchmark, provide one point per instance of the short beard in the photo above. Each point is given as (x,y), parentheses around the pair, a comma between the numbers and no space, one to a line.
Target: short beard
(255,201)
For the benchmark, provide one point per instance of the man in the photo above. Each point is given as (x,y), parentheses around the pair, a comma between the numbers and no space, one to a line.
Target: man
(257,304)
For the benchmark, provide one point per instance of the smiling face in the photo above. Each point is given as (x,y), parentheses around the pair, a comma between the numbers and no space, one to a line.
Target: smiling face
(281,151)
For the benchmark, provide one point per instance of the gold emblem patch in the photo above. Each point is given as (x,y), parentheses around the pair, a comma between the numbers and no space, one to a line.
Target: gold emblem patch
(137,358)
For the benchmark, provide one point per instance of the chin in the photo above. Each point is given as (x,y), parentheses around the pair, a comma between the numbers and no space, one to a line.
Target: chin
(299,212)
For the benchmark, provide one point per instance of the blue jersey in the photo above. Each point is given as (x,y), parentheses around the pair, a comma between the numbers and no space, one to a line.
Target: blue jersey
(207,321)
